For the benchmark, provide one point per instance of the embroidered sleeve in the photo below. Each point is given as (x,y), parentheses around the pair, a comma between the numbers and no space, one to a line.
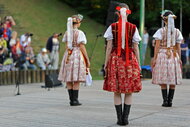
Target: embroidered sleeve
(136,36)
(81,38)
(64,37)
(179,36)
(158,35)
(108,34)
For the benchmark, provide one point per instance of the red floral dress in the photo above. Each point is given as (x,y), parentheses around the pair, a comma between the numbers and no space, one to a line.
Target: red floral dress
(121,78)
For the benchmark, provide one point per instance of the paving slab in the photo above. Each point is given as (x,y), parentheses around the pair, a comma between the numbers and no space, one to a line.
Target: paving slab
(38,107)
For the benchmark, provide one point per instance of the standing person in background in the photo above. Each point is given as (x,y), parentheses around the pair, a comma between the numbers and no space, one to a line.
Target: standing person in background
(187,41)
(151,42)
(75,60)
(53,47)
(184,50)
(122,70)
(145,43)
(166,64)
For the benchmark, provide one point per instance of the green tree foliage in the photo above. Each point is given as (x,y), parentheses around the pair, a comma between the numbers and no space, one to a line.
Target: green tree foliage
(97,9)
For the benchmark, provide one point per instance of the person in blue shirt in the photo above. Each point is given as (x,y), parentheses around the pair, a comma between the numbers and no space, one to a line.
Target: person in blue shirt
(187,41)
(184,49)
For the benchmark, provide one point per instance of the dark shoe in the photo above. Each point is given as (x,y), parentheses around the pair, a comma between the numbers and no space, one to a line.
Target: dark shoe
(75,98)
(170,97)
(165,98)
(118,109)
(126,111)
(70,91)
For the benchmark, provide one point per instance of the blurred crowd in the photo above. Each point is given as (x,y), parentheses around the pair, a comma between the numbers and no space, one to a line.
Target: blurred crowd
(16,51)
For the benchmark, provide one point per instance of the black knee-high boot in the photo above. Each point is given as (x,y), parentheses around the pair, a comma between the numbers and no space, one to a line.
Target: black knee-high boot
(170,97)
(165,98)
(118,109)
(126,111)
(75,98)
(70,91)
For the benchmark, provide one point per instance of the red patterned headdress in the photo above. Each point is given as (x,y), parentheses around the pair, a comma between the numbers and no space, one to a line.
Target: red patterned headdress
(127,10)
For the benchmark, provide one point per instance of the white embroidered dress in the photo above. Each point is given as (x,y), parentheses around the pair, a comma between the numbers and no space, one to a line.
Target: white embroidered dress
(167,69)
(75,69)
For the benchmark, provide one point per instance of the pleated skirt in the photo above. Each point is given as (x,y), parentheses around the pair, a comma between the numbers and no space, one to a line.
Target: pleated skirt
(121,78)
(167,69)
(73,70)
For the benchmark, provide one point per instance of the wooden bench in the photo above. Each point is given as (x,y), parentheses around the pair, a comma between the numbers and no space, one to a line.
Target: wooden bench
(24,76)
(38,76)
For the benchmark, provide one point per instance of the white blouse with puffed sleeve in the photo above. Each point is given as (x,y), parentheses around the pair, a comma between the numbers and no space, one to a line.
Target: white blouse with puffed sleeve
(109,36)
(81,37)
(159,35)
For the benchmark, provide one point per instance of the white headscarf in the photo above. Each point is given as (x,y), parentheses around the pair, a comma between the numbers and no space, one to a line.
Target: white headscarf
(69,33)
(171,33)
(124,20)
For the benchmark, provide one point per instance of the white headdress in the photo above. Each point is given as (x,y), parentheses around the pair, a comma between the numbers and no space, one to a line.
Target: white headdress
(75,18)
(171,34)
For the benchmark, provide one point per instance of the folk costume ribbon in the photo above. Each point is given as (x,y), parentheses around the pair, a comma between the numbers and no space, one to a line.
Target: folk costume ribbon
(122,34)
(171,34)
(70,33)
(69,37)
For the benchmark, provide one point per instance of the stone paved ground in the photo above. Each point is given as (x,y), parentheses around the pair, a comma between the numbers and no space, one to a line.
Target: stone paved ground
(37,107)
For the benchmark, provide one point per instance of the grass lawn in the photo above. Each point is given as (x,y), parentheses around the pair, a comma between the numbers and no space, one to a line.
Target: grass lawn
(44,17)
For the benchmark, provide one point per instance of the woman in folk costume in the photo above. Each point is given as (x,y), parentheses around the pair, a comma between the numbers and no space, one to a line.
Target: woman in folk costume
(167,63)
(75,60)
(122,62)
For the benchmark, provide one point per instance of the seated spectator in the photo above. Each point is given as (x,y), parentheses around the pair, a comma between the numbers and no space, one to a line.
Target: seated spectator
(6,32)
(9,21)
(184,49)
(3,42)
(25,39)
(13,39)
(6,63)
(43,60)
(2,55)
(16,50)
(27,59)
